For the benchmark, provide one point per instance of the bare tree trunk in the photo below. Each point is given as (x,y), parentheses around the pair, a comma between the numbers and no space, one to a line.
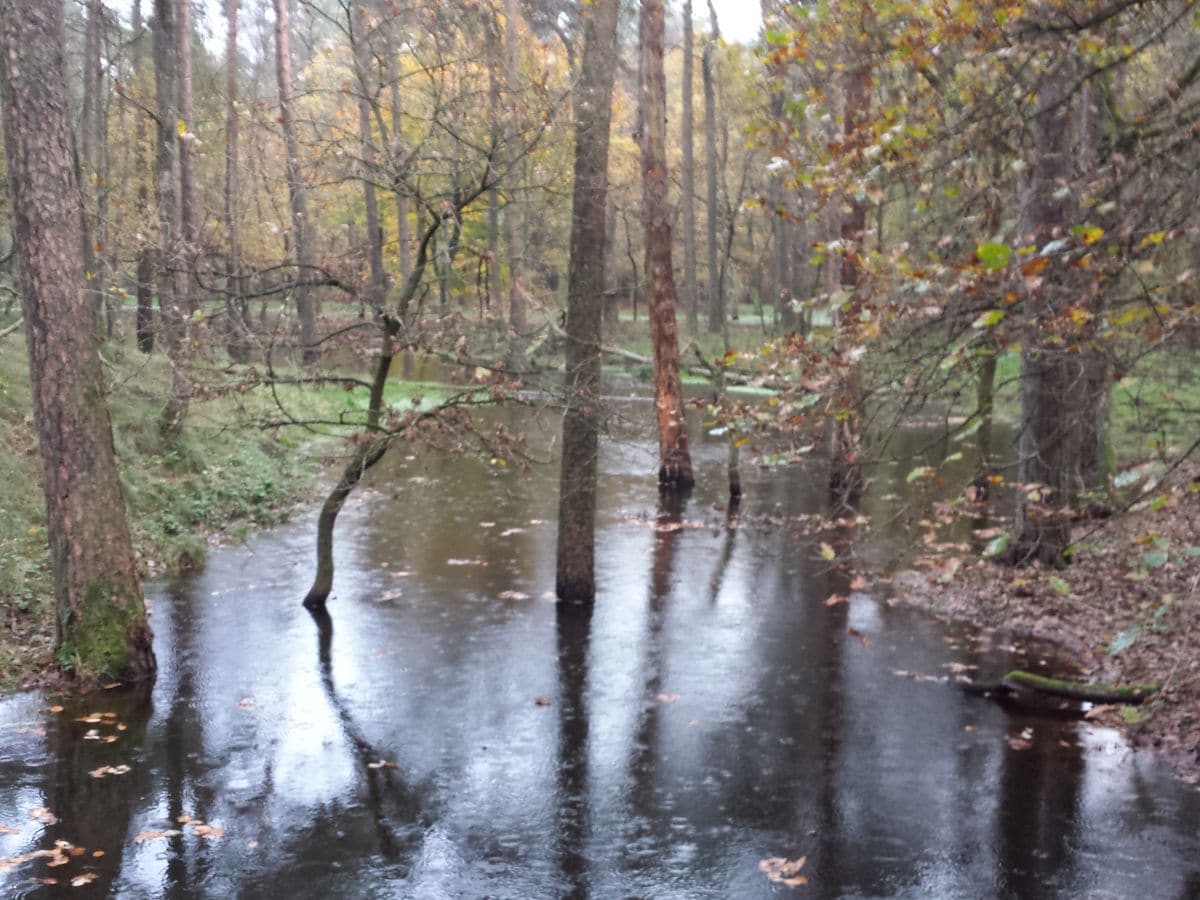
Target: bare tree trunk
(1050,375)
(144,325)
(716,299)
(172,274)
(235,304)
(675,462)
(494,290)
(102,631)
(362,64)
(89,176)
(402,234)
(301,224)
(513,237)
(691,301)
(576,579)
(187,147)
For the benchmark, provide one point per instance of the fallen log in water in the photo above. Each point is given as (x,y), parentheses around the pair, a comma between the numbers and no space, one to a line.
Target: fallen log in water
(1019,682)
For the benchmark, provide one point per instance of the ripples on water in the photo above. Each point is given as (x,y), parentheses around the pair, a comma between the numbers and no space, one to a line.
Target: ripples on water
(431,739)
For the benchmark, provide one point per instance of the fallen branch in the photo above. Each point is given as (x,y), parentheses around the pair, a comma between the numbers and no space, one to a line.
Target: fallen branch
(1019,682)
(11,328)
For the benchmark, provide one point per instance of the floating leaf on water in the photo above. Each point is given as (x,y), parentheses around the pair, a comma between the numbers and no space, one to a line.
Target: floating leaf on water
(85,878)
(541,701)
(512,595)
(667,698)
(143,836)
(784,871)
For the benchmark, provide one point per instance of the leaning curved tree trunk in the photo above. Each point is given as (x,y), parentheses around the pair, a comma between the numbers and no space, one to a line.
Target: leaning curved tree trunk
(102,630)
(675,462)
(575,580)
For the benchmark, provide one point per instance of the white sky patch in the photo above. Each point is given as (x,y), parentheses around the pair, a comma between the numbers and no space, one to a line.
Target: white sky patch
(740,20)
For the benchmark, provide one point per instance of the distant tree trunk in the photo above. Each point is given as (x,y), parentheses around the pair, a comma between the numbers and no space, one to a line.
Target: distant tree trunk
(576,580)
(144,325)
(494,290)
(513,237)
(690,299)
(101,620)
(362,62)
(301,224)
(716,299)
(188,211)
(172,273)
(402,233)
(675,462)
(235,303)
(1050,374)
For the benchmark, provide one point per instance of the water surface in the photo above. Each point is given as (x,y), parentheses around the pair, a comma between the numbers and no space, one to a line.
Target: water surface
(447,732)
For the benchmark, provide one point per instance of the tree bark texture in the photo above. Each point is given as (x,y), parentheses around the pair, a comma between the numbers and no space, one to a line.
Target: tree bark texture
(675,462)
(235,304)
(690,300)
(89,116)
(575,580)
(144,323)
(171,254)
(1051,375)
(297,194)
(101,619)
(362,64)
(513,236)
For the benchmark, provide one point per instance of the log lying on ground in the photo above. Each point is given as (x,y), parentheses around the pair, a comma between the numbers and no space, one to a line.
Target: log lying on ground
(1019,682)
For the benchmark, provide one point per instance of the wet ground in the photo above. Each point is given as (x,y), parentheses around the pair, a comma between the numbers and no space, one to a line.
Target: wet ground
(446,732)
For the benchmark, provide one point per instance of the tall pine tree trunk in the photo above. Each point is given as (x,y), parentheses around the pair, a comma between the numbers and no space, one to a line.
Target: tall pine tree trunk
(302,226)
(102,631)
(576,580)
(171,264)
(675,462)
(716,299)
(690,299)
(513,230)
(144,277)
(235,304)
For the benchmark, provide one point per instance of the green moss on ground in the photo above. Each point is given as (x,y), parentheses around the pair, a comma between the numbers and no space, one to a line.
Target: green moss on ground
(226,474)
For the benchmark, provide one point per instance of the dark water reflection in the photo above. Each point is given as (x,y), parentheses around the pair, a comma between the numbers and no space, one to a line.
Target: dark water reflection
(449,732)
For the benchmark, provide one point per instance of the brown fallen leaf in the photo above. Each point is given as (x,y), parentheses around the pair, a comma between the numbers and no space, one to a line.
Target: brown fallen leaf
(667,698)
(85,878)
(835,599)
(784,871)
(207,831)
(143,836)
(863,639)
(104,771)
(541,701)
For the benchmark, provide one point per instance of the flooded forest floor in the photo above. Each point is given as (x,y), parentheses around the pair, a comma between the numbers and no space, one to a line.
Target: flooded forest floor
(1127,610)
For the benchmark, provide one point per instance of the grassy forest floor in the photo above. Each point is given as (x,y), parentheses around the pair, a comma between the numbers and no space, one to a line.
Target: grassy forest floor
(224,476)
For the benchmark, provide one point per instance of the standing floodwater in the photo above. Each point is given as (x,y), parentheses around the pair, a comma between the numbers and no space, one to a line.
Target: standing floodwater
(447,732)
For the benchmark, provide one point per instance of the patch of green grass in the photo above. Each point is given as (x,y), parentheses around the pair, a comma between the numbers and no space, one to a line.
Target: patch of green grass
(233,468)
